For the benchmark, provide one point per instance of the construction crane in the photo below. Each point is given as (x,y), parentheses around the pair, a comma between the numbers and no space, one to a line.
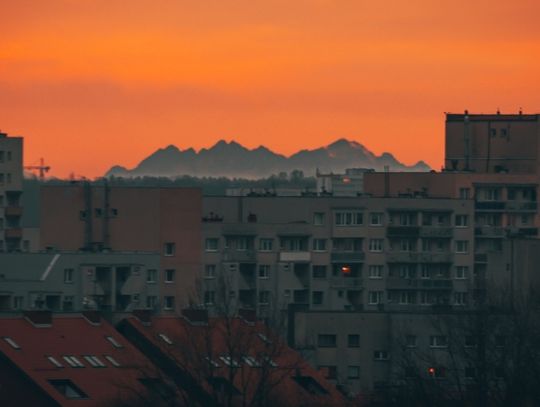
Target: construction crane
(42,168)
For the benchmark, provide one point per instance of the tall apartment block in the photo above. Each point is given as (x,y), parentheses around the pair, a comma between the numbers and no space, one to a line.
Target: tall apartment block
(11,173)
(91,218)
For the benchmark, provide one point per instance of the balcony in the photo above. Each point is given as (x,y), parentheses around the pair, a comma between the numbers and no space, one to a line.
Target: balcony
(13,233)
(521,206)
(295,257)
(13,211)
(402,231)
(436,232)
(239,256)
(414,257)
(438,284)
(395,283)
(490,206)
(528,231)
(490,231)
(345,282)
(347,257)
(480,258)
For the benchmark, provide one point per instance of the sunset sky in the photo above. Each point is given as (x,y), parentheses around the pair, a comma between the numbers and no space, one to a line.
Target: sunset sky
(92,83)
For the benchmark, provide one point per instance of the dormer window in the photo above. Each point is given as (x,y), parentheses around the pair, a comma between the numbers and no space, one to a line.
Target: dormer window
(11,342)
(114,342)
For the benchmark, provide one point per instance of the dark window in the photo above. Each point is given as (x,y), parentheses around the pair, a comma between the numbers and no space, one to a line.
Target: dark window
(326,341)
(310,385)
(68,389)
(353,341)
(319,271)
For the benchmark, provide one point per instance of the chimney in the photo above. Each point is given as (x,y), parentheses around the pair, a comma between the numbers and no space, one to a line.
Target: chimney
(195,316)
(39,318)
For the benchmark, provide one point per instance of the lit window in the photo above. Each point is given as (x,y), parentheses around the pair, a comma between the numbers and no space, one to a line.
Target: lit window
(165,339)
(11,342)
(114,342)
(112,361)
(54,361)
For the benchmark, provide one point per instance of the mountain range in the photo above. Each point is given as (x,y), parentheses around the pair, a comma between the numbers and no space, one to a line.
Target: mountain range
(231,159)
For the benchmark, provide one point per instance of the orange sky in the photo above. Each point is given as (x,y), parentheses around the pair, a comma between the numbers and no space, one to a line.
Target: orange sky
(92,83)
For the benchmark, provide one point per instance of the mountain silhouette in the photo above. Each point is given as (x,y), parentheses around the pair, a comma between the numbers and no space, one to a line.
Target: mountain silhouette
(232,160)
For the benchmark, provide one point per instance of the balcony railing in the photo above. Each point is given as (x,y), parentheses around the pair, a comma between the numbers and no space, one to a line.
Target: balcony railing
(480,258)
(436,231)
(239,256)
(347,257)
(490,205)
(295,256)
(13,211)
(345,282)
(521,206)
(438,284)
(13,233)
(402,231)
(414,257)
(395,283)
(489,231)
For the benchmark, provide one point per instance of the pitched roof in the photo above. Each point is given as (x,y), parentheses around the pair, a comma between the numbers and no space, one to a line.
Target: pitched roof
(235,355)
(72,359)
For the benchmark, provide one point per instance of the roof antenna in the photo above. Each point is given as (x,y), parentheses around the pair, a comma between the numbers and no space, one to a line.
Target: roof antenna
(520,111)
(498,111)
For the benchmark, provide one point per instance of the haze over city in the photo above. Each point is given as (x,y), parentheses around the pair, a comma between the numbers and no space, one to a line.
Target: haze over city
(91,84)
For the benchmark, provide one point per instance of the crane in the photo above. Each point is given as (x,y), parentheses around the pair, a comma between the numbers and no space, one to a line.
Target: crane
(42,168)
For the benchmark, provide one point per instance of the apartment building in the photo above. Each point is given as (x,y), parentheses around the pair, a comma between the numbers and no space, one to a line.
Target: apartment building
(77,281)
(337,253)
(11,173)
(101,218)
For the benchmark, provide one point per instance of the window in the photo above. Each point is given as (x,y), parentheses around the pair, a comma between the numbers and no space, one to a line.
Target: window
(94,361)
(318,218)
(439,372)
(375,245)
(353,372)
(381,355)
(165,339)
(410,341)
(492,194)
(264,271)
(348,218)
(112,361)
(211,244)
(319,245)
(68,302)
(68,276)
(492,132)
(11,342)
(169,249)
(209,297)
(264,297)
(460,298)
(18,302)
(151,276)
(169,275)
(330,372)
(462,272)
(406,245)
(54,361)
(438,341)
(407,297)
(375,219)
(168,302)
(317,297)
(353,341)
(67,388)
(151,301)
(375,272)
(375,297)
(462,221)
(326,341)
(462,246)
(73,361)
(470,341)
(464,193)
(407,219)
(229,361)
(114,342)
(319,271)
(210,271)
(265,245)
(470,372)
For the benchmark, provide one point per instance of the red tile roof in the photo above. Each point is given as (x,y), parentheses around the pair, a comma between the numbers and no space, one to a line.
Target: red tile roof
(288,378)
(73,335)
